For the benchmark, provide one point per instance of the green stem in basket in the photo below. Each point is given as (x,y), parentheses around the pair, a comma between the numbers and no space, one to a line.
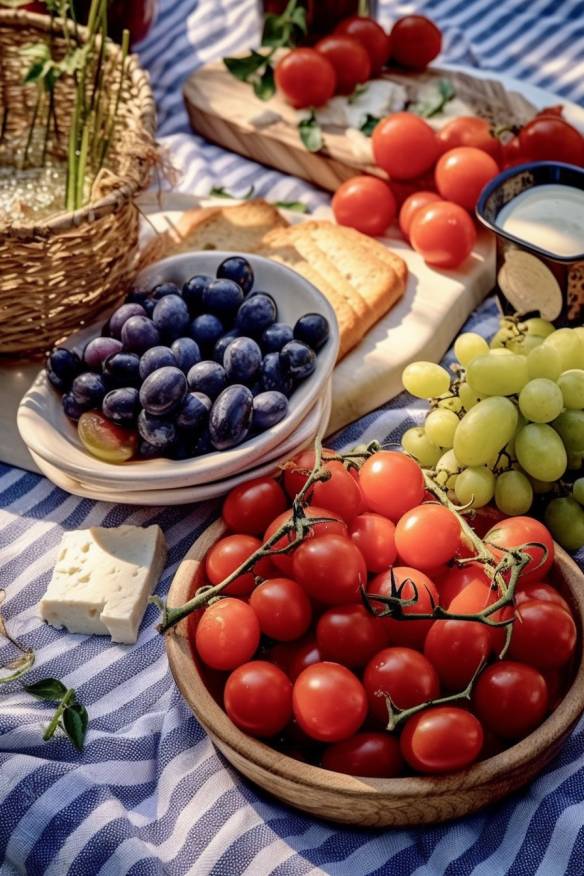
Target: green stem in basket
(111,130)
(31,130)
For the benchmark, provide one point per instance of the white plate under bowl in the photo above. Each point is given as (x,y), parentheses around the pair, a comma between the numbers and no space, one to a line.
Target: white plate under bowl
(179,496)
(48,433)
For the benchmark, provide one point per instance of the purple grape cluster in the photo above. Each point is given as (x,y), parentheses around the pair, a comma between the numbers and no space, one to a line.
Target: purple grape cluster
(193,370)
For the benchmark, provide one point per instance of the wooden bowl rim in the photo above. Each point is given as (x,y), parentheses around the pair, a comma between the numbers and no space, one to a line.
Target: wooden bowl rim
(216,722)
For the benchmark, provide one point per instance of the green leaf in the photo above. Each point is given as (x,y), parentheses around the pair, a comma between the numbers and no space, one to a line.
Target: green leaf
(436,103)
(360,89)
(279,30)
(243,68)
(296,206)
(265,86)
(75,721)
(310,133)
(298,19)
(369,124)
(47,689)
(222,192)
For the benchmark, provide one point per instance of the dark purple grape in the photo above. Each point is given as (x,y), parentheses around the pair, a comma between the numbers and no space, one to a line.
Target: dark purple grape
(207,377)
(297,360)
(139,334)
(155,358)
(147,450)
(231,416)
(149,306)
(181,449)
(275,336)
(136,296)
(163,391)
(89,389)
(193,289)
(255,314)
(157,431)
(223,298)
(239,270)
(266,294)
(312,329)
(206,330)
(268,409)
(62,367)
(186,352)
(222,344)
(72,408)
(105,330)
(120,316)
(164,289)
(121,406)
(57,382)
(171,317)
(273,376)
(194,411)
(242,361)
(122,369)
(202,443)
(98,350)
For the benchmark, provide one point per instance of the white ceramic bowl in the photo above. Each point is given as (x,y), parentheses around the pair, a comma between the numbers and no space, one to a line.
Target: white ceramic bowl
(49,434)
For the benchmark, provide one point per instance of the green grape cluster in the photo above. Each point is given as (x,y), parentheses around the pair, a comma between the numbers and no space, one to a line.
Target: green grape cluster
(507,424)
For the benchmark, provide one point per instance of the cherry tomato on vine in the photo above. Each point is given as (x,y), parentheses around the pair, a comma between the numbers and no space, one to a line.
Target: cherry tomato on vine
(306,78)
(350,635)
(470,131)
(283,608)
(329,702)
(404,145)
(516,531)
(330,568)
(258,698)
(415,585)
(410,207)
(230,552)
(228,634)
(454,580)
(443,233)
(374,535)
(250,507)
(372,37)
(551,138)
(371,755)
(392,483)
(511,153)
(475,597)
(365,203)
(349,59)
(294,657)
(456,649)
(540,590)
(403,674)
(442,739)
(511,698)
(462,173)
(415,41)
(284,562)
(427,536)
(296,471)
(544,635)
(485,518)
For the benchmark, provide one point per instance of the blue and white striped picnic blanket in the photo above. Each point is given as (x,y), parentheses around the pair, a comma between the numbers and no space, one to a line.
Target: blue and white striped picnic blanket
(150,795)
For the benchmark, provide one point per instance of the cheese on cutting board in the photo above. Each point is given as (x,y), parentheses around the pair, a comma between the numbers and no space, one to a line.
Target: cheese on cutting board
(102,580)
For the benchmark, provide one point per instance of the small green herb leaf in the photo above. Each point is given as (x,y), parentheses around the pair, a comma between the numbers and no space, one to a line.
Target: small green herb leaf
(435,104)
(369,125)
(360,89)
(279,30)
(265,86)
(75,720)
(296,206)
(310,133)
(222,192)
(47,689)
(243,68)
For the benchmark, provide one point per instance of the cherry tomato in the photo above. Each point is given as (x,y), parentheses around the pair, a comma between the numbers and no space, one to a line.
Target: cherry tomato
(544,635)
(350,635)
(372,37)
(456,649)
(297,470)
(456,579)
(427,536)
(404,675)
(282,607)
(550,138)
(374,535)
(294,657)
(470,131)
(475,597)
(228,634)
(410,207)
(415,41)
(258,698)
(511,153)
(516,531)
(392,483)
(443,234)
(306,77)
(371,755)
(441,740)
(365,203)
(485,518)
(330,568)
(284,562)
(227,555)
(404,145)
(403,189)
(250,507)
(555,685)
(462,173)
(416,586)
(329,702)
(349,59)
(540,590)
(511,699)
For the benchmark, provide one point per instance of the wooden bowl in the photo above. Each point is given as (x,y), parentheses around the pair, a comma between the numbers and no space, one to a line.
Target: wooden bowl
(373,802)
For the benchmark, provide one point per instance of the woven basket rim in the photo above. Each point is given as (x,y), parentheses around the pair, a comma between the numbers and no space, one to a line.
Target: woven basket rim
(145,105)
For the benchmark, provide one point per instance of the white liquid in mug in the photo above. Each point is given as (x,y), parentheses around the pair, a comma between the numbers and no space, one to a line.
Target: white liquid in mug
(549,216)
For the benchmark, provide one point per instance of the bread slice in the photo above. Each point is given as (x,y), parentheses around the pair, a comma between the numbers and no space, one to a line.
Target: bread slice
(381,252)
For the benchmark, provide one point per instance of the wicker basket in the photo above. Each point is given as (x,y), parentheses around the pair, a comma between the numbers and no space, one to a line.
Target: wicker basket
(58,274)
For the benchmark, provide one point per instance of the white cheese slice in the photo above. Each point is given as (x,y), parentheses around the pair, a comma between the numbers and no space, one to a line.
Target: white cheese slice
(378,98)
(102,580)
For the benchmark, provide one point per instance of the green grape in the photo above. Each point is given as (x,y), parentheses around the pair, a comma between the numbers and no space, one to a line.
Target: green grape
(475,485)
(447,469)
(544,361)
(440,427)
(570,426)
(538,327)
(425,379)
(513,493)
(468,396)
(541,487)
(484,430)
(565,520)
(570,347)
(574,461)
(523,344)
(571,384)
(495,374)
(502,337)
(417,444)
(578,490)
(541,400)
(449,402)
(540,452)
(468,346)
(500,351)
